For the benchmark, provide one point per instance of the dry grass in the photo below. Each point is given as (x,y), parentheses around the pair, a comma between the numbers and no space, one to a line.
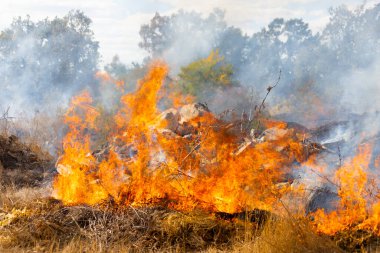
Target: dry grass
(41,129)
(45,224)
(32,222)
(288,235)
(357,240)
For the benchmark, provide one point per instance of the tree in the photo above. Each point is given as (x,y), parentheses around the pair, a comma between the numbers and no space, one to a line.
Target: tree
(232,45)
(314,66)
(47,61)
(353,36)
(116,68)
(206,75)
(282,45)
(156,36)
(126,75)
(182,37)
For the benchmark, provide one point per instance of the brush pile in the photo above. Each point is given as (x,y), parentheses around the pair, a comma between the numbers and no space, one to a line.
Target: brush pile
(46,224)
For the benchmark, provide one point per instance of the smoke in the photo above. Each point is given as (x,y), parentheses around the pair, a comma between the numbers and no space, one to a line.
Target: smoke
(43,64)
(329,76)
(325,76)
(191,38)
(360,88)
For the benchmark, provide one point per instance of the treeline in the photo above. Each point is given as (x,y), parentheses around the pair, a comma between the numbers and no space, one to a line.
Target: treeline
(43,63)
(318,69)
(50,60)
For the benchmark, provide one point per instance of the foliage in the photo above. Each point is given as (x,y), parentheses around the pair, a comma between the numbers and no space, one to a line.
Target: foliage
(41,60)
(321,61)
(183,37)
(205,75)
(155,35)
(164,31)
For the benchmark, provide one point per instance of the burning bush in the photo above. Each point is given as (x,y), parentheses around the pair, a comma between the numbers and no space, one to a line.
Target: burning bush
(184,178)
(196,162)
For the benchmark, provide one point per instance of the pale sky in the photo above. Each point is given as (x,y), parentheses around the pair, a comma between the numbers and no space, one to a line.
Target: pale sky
(116,23)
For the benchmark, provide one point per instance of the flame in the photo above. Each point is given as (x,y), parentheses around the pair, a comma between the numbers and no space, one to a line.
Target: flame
(211,167)
(358,207)
(103,76)
(105,79)
(147,164)
(76,183)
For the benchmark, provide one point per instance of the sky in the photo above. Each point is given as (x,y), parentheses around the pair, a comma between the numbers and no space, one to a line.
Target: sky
(116,23)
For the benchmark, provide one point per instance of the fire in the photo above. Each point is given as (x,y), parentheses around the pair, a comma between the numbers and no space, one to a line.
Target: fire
(358,207)
(148,164)
(209,166)
(106,79)
(76,183)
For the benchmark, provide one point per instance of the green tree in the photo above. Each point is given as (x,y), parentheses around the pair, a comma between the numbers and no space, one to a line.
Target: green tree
(203,76)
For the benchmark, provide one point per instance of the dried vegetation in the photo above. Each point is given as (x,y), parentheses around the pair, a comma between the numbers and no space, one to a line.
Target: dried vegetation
(32,222)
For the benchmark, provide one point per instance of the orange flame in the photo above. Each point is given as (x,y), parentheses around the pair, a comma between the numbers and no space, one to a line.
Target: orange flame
(210,167)
(75,182)
(358,207)
(106,79)
(147,164)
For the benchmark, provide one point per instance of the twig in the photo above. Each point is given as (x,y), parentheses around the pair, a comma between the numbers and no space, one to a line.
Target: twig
(241,124)
(258,112)
(135,212)
(340,156)
(268,91)
(324,177)
(369,140)
(6,118)
(327,149)
(250,106)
